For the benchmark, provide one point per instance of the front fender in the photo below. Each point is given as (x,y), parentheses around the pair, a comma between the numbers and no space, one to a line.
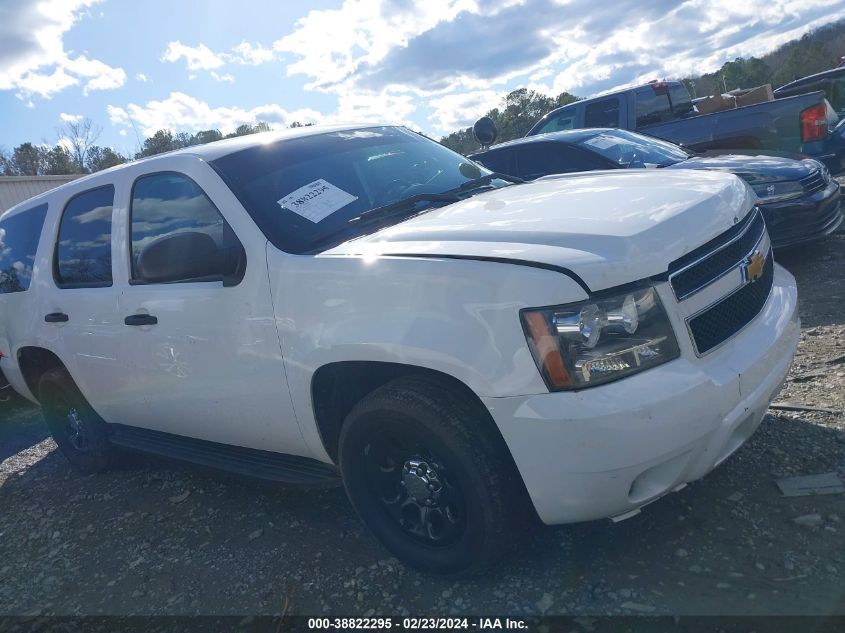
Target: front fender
(458,317)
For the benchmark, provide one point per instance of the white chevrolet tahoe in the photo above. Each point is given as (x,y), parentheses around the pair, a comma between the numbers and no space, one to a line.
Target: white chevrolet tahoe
(362,304)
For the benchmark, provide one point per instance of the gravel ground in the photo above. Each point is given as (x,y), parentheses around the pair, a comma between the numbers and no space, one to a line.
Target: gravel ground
(155,537)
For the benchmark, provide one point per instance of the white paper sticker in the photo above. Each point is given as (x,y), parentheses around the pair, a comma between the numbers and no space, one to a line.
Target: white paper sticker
(602,142)
(317,200)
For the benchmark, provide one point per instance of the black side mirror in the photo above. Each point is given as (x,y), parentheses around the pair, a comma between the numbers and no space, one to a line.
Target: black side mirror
(180,257)
(485,131)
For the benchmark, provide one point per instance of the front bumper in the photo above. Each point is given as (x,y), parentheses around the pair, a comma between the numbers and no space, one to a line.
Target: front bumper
(608,450)
(810,218)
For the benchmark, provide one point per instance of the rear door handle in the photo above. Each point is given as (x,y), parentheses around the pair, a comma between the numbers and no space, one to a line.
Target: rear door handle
(57,317)
(141,319)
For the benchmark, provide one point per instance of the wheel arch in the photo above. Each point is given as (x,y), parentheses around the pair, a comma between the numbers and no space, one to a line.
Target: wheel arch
(337,387)
(34,362)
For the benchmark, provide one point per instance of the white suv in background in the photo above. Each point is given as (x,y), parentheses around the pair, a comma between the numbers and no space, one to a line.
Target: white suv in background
(361,303)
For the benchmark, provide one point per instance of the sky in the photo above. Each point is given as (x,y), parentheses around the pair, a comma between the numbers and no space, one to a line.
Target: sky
(435,65)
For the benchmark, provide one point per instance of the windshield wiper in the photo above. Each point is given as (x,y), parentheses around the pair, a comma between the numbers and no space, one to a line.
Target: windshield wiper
(374,216)
(484,180)
(408,204)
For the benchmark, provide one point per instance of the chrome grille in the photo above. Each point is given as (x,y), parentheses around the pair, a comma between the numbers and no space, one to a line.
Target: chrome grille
(720,256)
(734,274)
(814,182)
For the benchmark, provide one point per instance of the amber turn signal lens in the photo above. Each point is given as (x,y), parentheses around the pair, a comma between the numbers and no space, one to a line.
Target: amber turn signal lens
(547,349)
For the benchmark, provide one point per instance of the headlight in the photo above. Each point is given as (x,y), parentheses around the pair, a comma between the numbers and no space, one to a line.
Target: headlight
(776,191)
(593,342)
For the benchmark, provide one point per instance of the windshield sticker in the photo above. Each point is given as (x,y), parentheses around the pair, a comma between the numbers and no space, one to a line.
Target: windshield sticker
(601,142)
(317,200)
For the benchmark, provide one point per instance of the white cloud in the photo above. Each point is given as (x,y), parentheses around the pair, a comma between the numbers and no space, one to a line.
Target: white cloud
(461,109)
(142,78)
(332,43)
(222,77)
(183,112)
(376,108)
(196,57)
(246,53)
(33,60)
(44,84)
(457,56)
(201,57)
(100,76)
(64,117)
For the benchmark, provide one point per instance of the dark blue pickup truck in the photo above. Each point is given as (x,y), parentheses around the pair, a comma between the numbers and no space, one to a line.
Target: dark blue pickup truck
(804,124)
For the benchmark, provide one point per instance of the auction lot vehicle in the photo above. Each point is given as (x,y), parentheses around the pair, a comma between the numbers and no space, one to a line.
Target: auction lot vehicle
(800,124)
(362,303)
(799,198)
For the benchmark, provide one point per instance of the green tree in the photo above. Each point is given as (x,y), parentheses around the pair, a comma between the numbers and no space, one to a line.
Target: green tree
(183,139)
(28,160)
(100,158)
(246,129)
(565,98)
(519,111)
(58,161)
(160,142)
(461,141)
(745,73)
(206,136)
(6,168)
(806,57)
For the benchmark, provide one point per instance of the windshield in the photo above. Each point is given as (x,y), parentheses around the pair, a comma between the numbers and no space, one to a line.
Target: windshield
(304,191)
(630,149)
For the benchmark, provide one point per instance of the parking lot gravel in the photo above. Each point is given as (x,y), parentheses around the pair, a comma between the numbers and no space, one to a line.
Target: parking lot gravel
(157,537)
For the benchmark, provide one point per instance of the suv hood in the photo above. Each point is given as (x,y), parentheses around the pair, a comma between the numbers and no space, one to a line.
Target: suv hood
(753,166)
(609,228)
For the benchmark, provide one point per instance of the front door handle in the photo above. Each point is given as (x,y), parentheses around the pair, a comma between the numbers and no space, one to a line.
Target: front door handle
(140,319)
(57,317)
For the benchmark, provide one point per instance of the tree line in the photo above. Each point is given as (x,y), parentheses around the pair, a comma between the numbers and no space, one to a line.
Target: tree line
(77,151)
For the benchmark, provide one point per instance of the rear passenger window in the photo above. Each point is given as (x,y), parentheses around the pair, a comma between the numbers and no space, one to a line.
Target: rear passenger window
(166,204)
(563,121)
(603,113)
(652,108)
(83,250)
(19,235)
(495,160)
(542,159)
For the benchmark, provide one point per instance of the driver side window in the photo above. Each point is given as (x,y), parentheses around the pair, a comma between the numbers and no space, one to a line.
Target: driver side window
(168,204)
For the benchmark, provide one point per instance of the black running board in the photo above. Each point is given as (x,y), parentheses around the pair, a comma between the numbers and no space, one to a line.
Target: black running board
(236,459)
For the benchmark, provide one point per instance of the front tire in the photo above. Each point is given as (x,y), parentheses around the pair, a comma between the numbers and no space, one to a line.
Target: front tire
(428,472)
(80,434)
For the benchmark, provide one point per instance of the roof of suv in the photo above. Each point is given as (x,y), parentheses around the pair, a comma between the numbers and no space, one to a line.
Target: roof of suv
(207,152)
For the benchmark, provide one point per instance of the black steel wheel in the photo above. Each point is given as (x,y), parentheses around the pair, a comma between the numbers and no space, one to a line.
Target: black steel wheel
(415,487)
(428,472)
(80,434)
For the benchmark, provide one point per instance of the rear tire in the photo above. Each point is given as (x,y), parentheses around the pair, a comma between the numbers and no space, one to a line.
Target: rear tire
(80,434)
(429,474)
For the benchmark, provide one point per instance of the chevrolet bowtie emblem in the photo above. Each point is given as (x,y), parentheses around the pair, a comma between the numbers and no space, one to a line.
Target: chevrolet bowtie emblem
(754,266)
